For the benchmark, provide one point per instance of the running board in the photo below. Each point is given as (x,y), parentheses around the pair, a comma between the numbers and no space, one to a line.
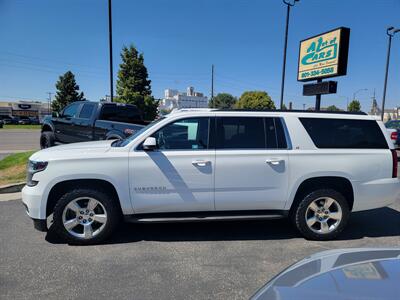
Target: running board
(205,216)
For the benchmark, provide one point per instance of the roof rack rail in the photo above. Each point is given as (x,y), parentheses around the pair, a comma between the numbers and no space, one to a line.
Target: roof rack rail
(178,110)
(295,111)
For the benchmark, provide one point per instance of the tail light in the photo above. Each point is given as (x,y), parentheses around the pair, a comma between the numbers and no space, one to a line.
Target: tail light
(395,161)
(393,136)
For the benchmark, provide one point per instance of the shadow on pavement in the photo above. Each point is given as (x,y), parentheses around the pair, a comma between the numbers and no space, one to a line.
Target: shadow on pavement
(383,222)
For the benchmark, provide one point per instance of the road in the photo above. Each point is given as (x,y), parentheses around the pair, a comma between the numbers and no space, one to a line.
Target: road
(224,260)
(17,140)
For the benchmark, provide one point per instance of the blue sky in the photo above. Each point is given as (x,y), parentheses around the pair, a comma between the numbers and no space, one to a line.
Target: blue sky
(180,40)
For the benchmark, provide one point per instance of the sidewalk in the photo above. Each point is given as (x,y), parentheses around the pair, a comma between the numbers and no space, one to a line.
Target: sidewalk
(10,197)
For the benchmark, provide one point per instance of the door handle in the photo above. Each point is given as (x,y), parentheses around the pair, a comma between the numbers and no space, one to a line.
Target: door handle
(273,161)
(200,163)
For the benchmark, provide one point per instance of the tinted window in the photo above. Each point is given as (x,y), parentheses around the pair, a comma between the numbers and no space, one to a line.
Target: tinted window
(240,133)
(71,110)
(342,133)
(121,113)
(187,134)
(280,134)
(86,111)
(270,131)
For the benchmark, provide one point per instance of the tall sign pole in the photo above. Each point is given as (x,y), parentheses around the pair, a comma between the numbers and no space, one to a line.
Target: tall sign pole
(212,82)
(110,47)
(288,4)
(391,31)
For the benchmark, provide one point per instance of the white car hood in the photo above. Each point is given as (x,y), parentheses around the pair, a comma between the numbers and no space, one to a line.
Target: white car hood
(72,150)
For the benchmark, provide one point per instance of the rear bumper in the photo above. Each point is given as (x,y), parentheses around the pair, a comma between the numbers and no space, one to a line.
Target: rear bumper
(376,193)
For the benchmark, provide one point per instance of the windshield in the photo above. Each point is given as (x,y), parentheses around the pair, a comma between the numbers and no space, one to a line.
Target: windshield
(126,141)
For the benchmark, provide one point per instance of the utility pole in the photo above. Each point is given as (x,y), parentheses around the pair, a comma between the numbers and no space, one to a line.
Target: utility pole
(110,47)
(212,82)
(390,31)
(49,103)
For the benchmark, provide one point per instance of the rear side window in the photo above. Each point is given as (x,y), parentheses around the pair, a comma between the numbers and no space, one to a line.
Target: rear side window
(250,133)
(120,113)
(240,133)
(343,133)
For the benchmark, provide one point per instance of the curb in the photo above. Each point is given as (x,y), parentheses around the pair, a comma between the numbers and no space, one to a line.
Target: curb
(12,188)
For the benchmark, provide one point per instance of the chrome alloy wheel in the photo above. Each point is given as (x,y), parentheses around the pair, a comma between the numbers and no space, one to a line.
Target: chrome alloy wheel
(323,215)
(84,217)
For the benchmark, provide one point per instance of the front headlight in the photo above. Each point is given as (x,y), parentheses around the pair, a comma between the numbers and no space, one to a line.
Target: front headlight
(34,167)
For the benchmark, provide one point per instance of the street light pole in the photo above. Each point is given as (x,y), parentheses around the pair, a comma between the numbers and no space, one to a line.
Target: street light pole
(390,31)
(288,4)
(110,48)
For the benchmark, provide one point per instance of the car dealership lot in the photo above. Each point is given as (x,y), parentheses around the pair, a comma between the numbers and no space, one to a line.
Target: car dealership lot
(185,261)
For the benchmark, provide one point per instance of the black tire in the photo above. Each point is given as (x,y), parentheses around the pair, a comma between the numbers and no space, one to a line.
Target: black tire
(298,215)
(46,139)
(109,204)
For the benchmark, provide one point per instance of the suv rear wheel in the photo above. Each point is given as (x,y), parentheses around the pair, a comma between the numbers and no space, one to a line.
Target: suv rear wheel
(321,215)
(85,216)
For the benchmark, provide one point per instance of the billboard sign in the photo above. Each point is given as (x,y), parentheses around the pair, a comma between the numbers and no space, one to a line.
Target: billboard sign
(324,55)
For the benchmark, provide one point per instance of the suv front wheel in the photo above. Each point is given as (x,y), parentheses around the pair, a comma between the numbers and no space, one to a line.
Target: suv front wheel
(321,215)
(85,216)
(46,139)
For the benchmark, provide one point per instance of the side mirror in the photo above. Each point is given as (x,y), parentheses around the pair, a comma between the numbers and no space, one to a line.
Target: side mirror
(55,114)
(150,144)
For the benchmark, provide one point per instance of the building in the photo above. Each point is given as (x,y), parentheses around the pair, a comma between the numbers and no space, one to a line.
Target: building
(389,114)
(173,99)
(24,109)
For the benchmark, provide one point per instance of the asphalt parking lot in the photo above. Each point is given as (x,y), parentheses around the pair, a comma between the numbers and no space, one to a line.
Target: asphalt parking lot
(17,140)
(220,260)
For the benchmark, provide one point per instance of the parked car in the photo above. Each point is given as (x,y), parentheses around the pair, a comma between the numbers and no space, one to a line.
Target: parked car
(24,121)
(217,165)
(1,123)
(340,274)
(10,120)
(34,121)
(84,121)
(393,127)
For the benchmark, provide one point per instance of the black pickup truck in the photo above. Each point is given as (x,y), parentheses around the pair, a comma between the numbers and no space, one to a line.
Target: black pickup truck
(84,121)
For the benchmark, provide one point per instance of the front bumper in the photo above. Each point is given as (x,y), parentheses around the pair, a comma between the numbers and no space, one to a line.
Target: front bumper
(32,199)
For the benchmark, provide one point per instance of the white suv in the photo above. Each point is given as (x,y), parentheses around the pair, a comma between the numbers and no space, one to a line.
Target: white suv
(209,164)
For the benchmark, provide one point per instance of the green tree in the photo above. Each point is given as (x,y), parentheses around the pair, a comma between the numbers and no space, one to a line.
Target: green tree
(222,100)
(333,108)
(255,100)
(354,106)
(67,91)
(133,85)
